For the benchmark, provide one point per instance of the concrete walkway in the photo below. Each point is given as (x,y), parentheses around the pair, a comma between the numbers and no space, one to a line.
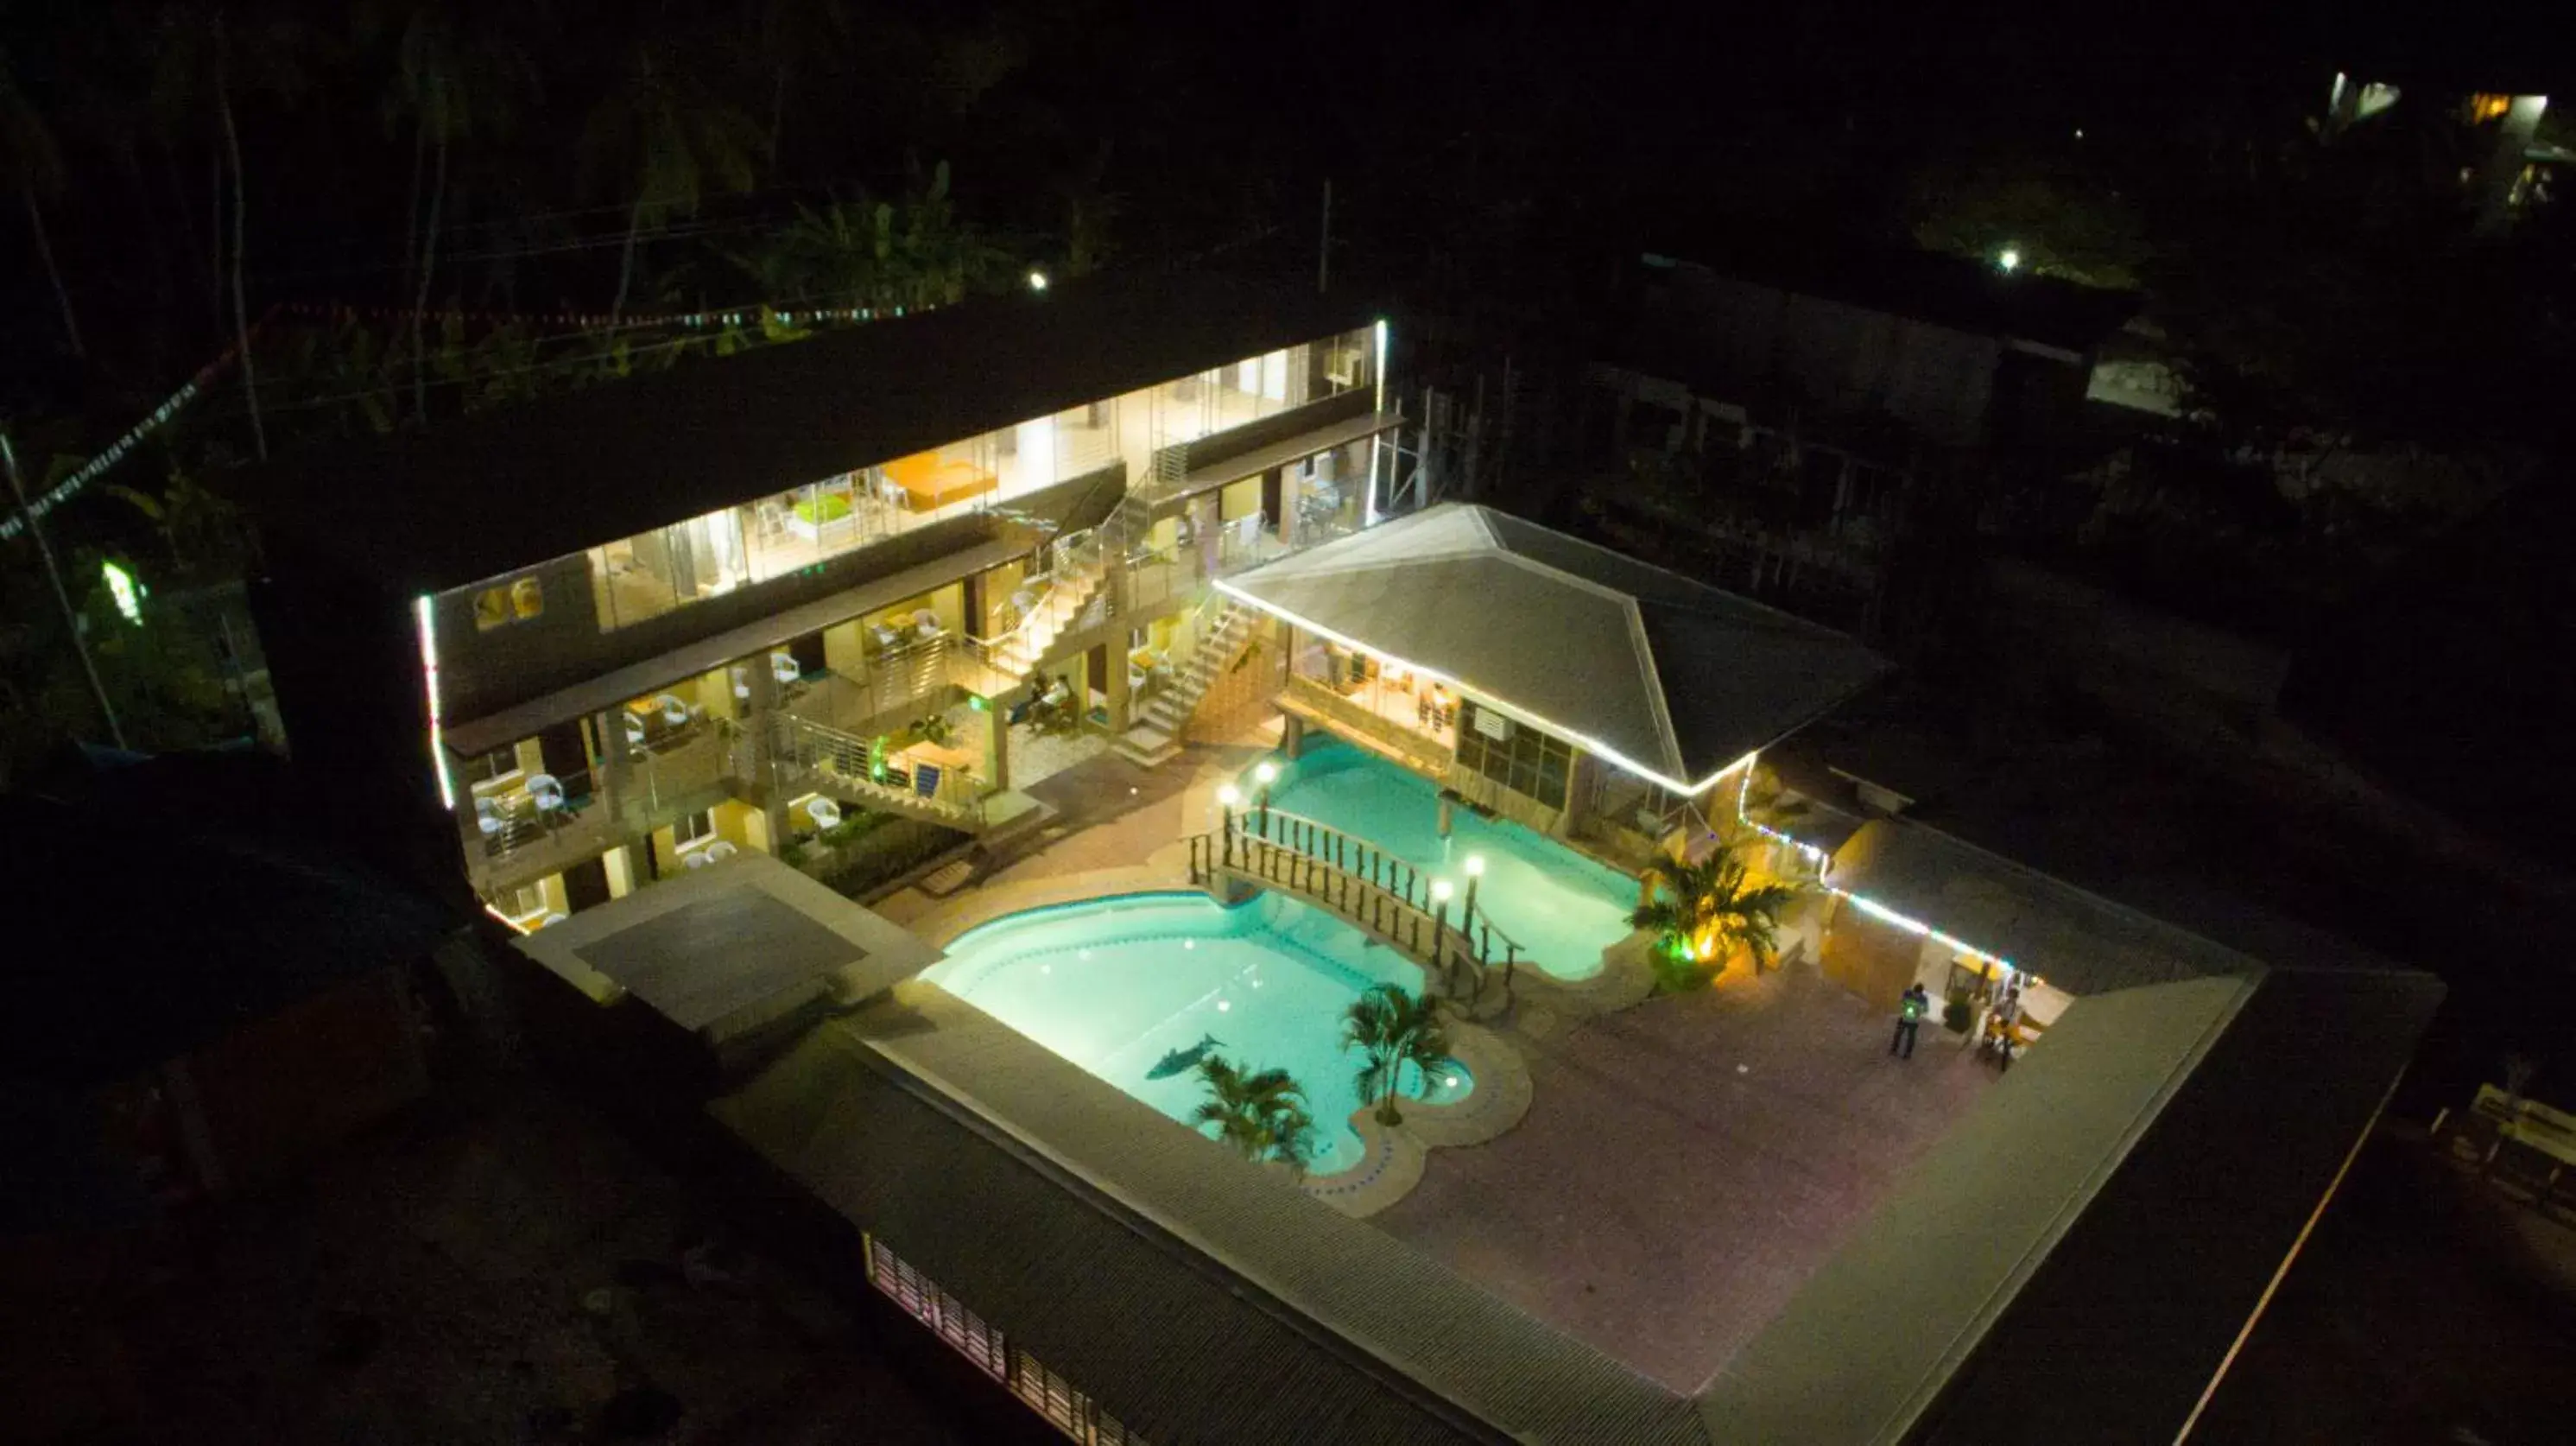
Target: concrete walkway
(1685,1165)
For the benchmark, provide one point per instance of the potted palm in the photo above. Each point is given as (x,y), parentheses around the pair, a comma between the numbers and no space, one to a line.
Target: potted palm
(1391,1029)
(1260,1113)
(1705,914)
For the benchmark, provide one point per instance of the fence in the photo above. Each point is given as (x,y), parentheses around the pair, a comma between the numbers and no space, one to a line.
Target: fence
(1383,894)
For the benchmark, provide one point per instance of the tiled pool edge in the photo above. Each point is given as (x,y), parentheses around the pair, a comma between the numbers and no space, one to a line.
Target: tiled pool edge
(1395,1157)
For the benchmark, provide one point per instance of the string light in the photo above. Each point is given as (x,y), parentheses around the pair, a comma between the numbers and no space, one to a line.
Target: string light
(1876,910)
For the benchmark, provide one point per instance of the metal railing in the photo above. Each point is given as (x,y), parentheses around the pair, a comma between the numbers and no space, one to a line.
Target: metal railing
(854,769)
(1382,893)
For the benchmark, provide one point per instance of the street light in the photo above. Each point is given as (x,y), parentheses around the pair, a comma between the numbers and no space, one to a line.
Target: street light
(1440,892)
(1227,796)
(1475,870)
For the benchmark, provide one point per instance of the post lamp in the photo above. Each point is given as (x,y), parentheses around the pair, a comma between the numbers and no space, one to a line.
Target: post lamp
(1440,891)
(1475,870)
(1265,773)
(1227,796)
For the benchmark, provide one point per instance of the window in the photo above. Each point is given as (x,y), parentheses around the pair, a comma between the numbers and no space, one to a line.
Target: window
(527,901)
(485,767)
(1526,761)
(515,601)
(1030,1379)
(691,828)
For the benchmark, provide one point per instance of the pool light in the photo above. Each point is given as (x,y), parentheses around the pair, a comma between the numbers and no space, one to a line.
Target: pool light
(1224,1005)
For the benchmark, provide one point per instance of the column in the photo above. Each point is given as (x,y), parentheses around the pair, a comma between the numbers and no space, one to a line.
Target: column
(759,716)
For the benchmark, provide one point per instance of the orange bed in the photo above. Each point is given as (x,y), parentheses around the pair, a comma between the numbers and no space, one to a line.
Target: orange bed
(930,481)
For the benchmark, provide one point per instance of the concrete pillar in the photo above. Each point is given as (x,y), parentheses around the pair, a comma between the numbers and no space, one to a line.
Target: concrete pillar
(1292,737)
(759,716)
(616,763)
(1118,699)
(997,744)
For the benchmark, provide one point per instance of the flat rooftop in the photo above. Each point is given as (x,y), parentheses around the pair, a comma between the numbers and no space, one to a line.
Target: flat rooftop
(726,948)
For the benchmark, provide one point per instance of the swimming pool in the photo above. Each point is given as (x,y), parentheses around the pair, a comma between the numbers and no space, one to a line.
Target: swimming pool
(1115,985)
(1562,908)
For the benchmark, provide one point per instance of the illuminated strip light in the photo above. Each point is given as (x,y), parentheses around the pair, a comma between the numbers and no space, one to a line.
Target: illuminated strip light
(429,678)
(1872,907)
(1377,440)
(514,924)
(1516,714)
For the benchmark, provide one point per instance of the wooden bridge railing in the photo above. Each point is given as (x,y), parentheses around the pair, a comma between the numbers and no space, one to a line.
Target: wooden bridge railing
(1382,894)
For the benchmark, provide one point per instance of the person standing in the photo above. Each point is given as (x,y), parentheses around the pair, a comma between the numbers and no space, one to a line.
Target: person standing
(1911,1006)
(2007,1031)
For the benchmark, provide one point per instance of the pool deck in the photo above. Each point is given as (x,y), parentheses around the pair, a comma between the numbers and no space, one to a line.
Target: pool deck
(1684,1165)
(1655,1176)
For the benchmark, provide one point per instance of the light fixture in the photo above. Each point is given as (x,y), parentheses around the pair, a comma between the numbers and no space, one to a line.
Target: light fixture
(1229,795)
(1037,281)
(1440,891)
(1267,772)
(1223,1005)
(1475,865)
(124,589)
(2009,259)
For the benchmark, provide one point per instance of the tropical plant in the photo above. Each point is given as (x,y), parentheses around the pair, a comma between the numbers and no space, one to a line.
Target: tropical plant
(664,139)
(1392,1028)
(206,57)
(1703,913)
(454,73)
(32,161)
(933,729)
(1261,1114)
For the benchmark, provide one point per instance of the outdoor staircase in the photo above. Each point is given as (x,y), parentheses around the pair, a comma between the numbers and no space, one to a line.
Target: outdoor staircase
(1077,584)
(838,765)
(1165,717)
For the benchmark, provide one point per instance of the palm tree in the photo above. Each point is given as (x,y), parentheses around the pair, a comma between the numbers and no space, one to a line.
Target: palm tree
(1261,1114)
(206,57)
(665,138)
(32,159)
(1392,1029)
(454,73)
(1703,913)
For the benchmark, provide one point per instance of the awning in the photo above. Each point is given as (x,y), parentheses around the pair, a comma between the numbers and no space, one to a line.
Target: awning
(1286,450)
(636,680)
(2076,940)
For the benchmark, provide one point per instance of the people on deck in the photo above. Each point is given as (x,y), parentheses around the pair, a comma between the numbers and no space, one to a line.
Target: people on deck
(1911,1006)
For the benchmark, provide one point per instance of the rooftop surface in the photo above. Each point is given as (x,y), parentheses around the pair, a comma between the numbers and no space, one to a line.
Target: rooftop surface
(613,461)
(1677,679)
(729,946)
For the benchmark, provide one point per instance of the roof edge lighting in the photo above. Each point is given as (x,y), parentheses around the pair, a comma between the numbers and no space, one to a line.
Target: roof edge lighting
(423,610)
(1508,709)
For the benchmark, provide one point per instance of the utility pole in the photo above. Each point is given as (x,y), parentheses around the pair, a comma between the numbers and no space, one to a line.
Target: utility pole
(1324,253)
(62,596)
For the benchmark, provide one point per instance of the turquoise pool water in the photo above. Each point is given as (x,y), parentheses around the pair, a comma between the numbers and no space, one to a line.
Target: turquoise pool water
(1114,985)
(1561,907)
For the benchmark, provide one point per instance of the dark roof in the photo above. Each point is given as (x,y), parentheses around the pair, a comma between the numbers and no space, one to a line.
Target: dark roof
(1670,675)
(1950,291)
(175,900)
(453,506)
(1197,1298)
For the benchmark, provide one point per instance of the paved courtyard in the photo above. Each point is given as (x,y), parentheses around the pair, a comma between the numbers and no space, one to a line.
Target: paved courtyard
(1686,1164)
